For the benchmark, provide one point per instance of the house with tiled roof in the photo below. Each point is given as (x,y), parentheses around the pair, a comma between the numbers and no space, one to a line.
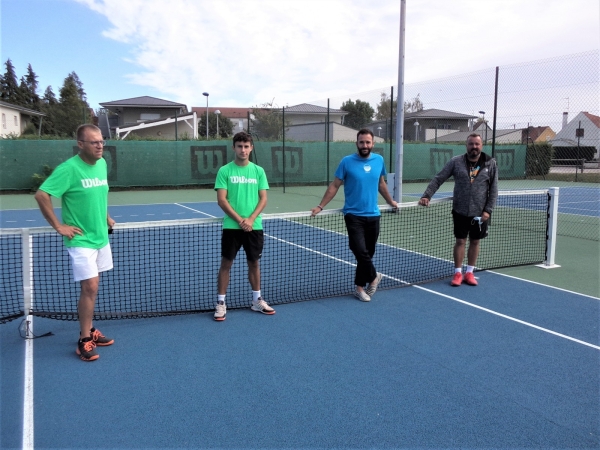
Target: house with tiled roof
(237,115)
(502,136)
(132,112)
(425,125)
(296,115)
(568,140)
(16,118)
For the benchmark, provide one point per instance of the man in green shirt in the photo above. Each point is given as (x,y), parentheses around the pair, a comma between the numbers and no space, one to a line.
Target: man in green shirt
(81,184)
(242,194)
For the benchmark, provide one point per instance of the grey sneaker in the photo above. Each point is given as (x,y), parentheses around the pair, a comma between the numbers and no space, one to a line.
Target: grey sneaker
(362,295)
(262,307)
(220,312)
(373,286)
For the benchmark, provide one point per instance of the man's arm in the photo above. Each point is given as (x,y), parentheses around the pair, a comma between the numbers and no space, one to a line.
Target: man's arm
(492,194)
(248,222)
(109,220)
(331,191)
(383,190)
(45,203)
(446,172)
(226,206)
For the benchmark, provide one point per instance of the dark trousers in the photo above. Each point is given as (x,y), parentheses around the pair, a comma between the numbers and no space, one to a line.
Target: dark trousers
(362,234)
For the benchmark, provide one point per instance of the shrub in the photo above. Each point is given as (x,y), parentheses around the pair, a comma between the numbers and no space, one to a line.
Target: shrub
(37,179)
(538,159)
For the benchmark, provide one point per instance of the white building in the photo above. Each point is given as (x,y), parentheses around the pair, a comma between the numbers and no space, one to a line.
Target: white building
(15,119)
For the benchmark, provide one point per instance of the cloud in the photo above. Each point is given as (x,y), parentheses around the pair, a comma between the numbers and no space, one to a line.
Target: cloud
(249,52)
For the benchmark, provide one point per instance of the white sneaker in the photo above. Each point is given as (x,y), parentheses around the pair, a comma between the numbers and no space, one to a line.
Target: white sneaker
(220,312)
(362,295)
(262,307)
(373,286)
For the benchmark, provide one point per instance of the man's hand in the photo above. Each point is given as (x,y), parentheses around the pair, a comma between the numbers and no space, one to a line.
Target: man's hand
(424,201)
(246,224)
(316,210)
(68,231)
(485,216)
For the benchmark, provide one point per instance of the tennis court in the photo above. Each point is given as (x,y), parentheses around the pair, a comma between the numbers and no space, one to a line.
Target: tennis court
(507,364)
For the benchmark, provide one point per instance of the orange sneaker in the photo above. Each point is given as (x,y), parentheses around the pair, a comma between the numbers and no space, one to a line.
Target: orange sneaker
(470,279)
(86,350)
(99,339)
(456,279)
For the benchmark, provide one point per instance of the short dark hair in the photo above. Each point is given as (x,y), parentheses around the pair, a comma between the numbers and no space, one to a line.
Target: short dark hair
(83,128)
(364,131)
(242,136)
(472,135)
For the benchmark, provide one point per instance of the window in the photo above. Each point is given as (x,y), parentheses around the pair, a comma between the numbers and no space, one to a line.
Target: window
(16,121)
(149,116)
(3,120)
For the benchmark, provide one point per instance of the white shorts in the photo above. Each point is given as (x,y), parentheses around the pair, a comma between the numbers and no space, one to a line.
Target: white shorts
(88,262)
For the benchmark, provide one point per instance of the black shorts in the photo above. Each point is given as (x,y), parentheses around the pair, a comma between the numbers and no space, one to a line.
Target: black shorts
(233,240)
(465,226)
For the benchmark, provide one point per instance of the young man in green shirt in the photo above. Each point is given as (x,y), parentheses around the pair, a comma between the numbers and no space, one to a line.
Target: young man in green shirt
(242,194)
(81,184)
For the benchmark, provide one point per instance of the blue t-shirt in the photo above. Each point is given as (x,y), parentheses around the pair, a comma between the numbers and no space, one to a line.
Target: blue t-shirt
(361,183)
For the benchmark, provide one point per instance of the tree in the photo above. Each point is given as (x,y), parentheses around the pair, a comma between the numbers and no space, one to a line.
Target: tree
(359,113)
(268,122)
(383,108)
(9,89)
(73,109)
(413,106)
(48,106)
(29,87)
(225,126)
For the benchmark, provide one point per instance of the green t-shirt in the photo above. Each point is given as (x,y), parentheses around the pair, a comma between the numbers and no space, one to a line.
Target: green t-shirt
(242,184)
(83,190)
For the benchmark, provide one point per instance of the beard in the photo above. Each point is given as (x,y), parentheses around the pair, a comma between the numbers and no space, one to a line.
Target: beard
(364,152)
(473,155)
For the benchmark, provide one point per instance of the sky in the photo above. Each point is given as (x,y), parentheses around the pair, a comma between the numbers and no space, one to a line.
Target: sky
(249,52)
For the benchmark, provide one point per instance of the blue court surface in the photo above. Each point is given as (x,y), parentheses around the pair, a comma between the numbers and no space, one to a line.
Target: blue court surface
(572,200)
(583,201)
(29,218)
(507,364)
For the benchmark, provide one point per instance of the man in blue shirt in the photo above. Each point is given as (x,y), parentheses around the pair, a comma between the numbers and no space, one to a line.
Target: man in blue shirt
(362,176)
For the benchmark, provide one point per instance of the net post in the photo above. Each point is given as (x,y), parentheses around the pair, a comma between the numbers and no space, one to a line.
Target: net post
(552,227)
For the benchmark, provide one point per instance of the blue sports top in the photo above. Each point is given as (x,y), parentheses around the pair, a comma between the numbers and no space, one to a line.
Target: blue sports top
(361,183)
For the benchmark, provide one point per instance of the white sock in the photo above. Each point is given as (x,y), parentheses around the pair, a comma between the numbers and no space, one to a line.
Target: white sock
(470,269)
(220,298)
(255,296)
(457,270)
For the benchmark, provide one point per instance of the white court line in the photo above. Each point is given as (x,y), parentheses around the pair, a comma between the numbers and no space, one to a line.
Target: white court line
(490,311)
(28,389)
(544,285)
(195,210)
(504,316)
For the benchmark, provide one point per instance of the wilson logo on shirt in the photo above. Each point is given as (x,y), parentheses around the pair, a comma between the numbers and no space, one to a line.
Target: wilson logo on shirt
(93,182)
(242,180)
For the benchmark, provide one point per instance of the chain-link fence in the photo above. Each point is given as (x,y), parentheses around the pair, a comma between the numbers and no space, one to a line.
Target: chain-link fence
(540,120)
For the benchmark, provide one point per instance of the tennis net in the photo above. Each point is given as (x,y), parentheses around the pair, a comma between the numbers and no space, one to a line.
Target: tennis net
(170,267)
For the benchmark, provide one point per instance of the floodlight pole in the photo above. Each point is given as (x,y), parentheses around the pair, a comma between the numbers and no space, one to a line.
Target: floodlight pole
(397,194)
(206,95)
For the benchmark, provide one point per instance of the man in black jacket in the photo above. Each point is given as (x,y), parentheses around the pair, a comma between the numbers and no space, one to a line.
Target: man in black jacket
(475,192)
